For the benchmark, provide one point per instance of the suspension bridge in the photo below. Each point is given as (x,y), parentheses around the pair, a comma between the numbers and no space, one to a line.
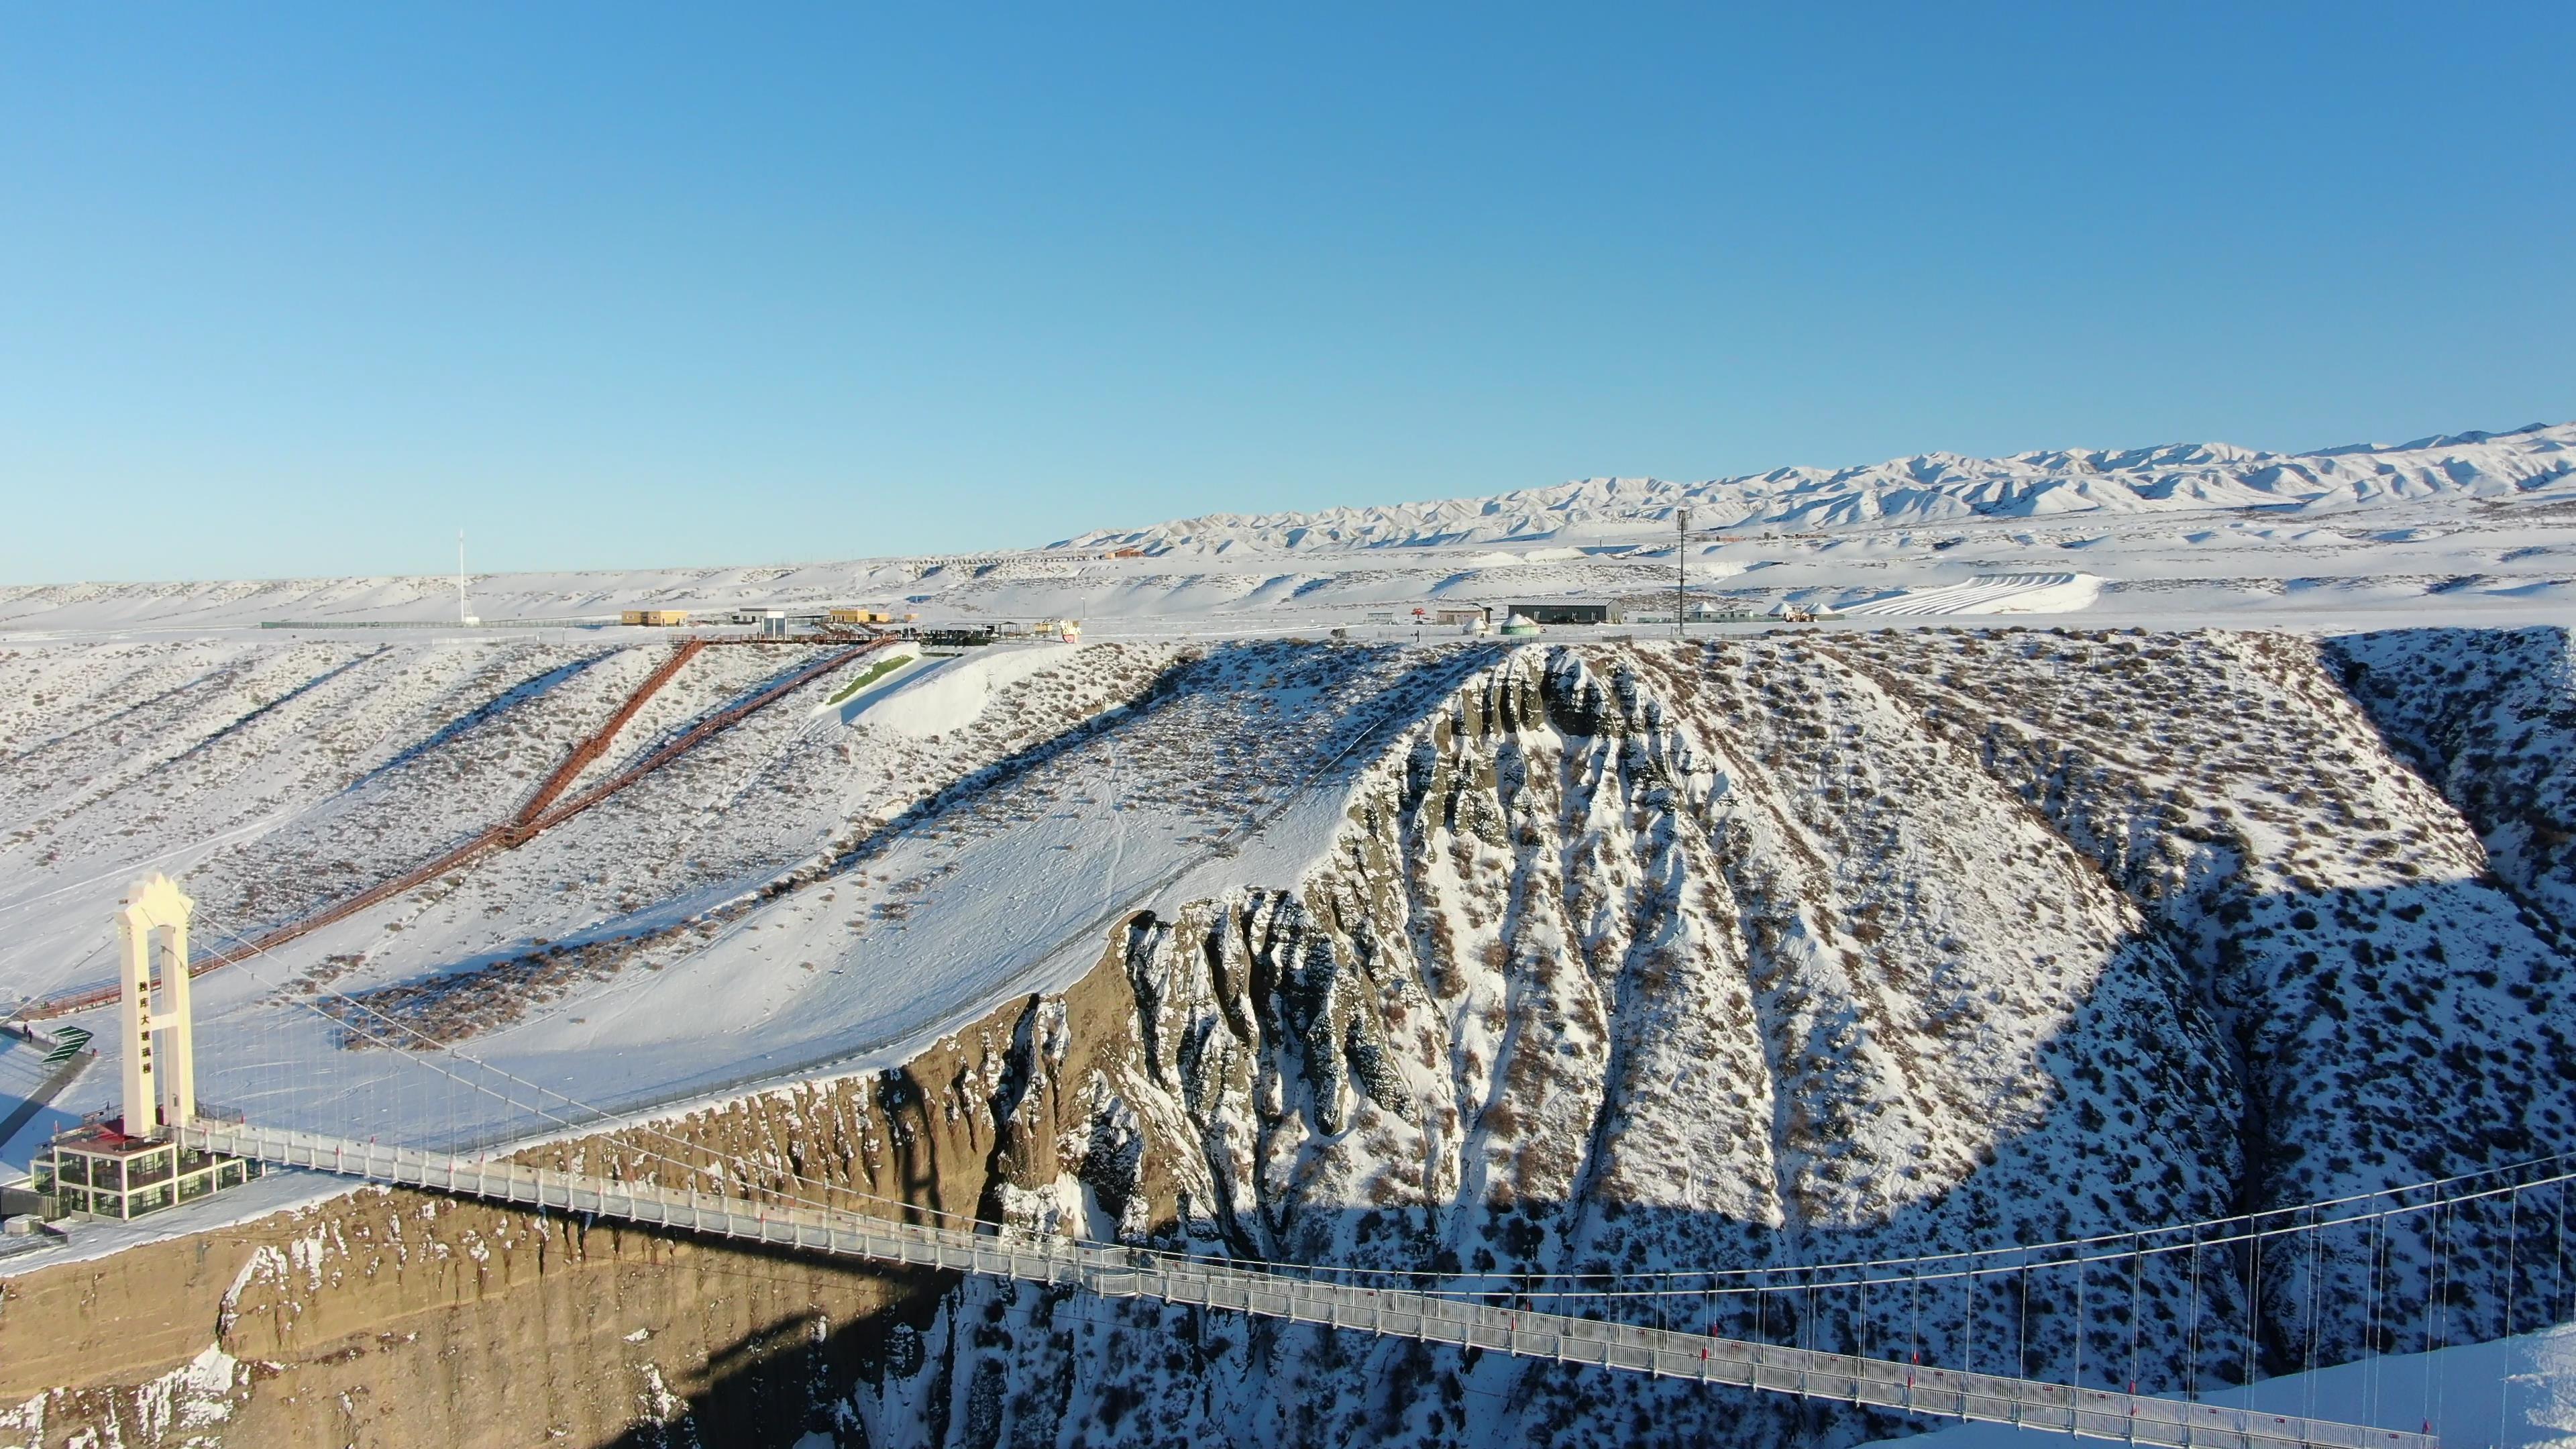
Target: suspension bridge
(1711,1327)
(1117,1271)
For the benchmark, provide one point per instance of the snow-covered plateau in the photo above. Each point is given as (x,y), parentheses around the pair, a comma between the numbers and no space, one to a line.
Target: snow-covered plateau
(2244,880)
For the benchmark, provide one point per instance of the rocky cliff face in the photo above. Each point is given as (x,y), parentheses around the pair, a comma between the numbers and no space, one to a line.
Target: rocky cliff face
(1631,960)
(397,1319)
(1784,951)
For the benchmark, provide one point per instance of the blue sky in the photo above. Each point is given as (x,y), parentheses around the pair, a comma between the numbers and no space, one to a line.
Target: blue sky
(302,290)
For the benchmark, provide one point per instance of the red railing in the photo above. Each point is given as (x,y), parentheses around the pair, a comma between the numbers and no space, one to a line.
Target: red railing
(589,750)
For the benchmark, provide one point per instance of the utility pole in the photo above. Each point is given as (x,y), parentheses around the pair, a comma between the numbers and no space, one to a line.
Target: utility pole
(1681,574)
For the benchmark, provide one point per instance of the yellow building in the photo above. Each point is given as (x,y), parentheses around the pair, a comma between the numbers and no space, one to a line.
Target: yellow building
(656,618)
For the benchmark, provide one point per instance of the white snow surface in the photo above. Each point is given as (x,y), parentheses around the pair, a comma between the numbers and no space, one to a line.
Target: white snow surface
(2514,1393)
(765,909)
(1991,594)
(950,695)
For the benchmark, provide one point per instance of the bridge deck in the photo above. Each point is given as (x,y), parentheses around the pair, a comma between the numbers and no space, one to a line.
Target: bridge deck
(1127,1273)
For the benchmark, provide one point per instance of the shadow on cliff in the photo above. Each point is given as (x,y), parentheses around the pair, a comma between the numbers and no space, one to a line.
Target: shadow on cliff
(2293,1046)
(2371,1037)
(794,1382)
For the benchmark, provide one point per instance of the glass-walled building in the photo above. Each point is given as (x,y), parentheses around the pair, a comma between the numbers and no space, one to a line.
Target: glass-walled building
(100,1171)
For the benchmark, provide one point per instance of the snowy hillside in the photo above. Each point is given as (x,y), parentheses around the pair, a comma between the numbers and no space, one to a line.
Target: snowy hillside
(1577,956)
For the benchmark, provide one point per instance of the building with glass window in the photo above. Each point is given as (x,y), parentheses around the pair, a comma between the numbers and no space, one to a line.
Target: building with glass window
(98,1170)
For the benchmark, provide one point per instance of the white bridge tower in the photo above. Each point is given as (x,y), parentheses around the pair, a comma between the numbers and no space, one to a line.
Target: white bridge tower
(160,1057)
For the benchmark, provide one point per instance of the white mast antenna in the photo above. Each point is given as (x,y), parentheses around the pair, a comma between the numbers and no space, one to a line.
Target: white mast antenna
(464,615)
(1681,574)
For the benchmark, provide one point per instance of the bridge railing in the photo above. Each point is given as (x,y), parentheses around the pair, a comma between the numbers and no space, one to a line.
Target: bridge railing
(1132,1272)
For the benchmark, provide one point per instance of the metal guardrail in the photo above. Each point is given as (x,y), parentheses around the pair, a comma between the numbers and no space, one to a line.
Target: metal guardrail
(1120,1272)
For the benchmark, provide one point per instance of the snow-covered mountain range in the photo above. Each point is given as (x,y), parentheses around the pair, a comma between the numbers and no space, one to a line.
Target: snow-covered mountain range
(2476,528)
(1927,488)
